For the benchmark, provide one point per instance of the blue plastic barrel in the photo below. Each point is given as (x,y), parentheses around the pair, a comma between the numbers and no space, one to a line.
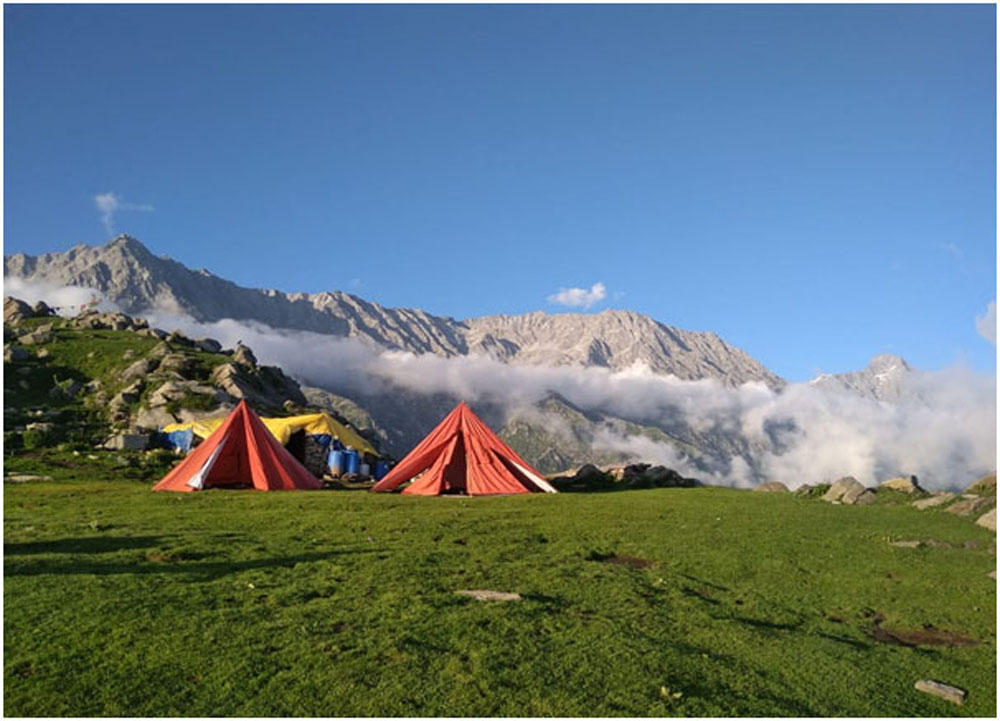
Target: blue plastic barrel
(381,468)
(352,461)
(365,469)
(336,462)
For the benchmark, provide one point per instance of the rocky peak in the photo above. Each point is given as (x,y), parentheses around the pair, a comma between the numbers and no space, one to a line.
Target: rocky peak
(127,274)
(883,379)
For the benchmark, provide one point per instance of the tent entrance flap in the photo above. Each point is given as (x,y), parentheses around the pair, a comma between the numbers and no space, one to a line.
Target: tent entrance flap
(198,479)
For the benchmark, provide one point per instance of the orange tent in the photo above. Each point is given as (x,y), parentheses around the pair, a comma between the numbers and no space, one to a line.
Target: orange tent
(462,455)
(240,452)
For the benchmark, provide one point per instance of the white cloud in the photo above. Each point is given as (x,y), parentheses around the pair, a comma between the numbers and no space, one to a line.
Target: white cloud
(579,297)
(987,324)
(943,431)
(109,204)
(65,300)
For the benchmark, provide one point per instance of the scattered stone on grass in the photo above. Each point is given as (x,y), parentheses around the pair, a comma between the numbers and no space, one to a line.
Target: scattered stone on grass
(941,690)
(846,490)
(26,478)
(37,337)
(993,574)
(936,500)
(127,442)
(988,520)
(968,506)
(904,484)
(482,595)
(985,485)
(866,497)
(772,487)
(906,544)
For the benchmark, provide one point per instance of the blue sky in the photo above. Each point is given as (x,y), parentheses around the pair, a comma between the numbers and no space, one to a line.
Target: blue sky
(816,184)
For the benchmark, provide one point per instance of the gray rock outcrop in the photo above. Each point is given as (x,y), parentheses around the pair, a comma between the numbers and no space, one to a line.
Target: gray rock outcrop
(935,500)
(903,484)
(988,520)
(846,490)
(772,487)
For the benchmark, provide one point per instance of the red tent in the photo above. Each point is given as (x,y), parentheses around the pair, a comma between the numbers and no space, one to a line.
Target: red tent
(240,452)
(462,455)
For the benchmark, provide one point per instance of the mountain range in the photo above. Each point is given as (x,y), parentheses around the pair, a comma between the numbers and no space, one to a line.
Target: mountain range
(554,433)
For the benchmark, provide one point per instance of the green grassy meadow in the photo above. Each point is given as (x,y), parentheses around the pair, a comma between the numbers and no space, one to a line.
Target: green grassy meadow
(120,601)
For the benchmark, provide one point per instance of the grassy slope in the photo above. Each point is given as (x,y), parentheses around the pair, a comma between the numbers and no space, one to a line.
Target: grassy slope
(125,602)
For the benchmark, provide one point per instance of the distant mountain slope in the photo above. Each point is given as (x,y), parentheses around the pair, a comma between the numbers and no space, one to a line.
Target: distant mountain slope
(138,282)
(882,380)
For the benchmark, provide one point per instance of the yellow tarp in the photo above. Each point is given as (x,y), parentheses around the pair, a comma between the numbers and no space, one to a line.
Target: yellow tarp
(283,428)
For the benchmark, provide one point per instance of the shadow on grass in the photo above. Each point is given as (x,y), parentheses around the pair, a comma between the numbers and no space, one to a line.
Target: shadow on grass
(198,571)
(94,544)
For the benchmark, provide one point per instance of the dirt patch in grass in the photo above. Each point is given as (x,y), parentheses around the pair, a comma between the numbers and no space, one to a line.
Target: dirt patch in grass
(929,636)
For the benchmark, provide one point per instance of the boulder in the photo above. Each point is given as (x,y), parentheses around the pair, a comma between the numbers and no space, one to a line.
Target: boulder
(845,490)
(903,484)
(42,310)
(988,520)
(176,336)
(588,472)
(138,370)
(968,506)
(935,500)
(160,349)
(38,337)
(15,310)
(127,442)
(13,354)
(984,486)
(227,376)
(176,362)
(131,393)
(152,333)
(153,418)
(209,345)
(772,487)
(42,427)
(804,489)
(43,353)
(865,498)
(66,389)
(245,356)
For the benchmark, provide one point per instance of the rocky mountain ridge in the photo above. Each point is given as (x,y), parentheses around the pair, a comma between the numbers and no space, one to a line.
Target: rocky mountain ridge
(884,379)
(137,281)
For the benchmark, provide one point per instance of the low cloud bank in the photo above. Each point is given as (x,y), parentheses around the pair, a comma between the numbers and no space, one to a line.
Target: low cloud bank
(65,300)
(943,429)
